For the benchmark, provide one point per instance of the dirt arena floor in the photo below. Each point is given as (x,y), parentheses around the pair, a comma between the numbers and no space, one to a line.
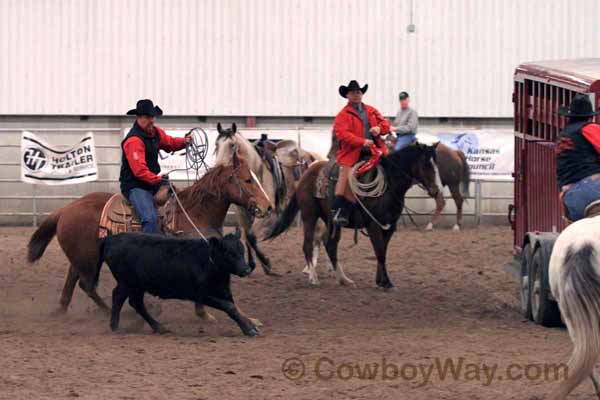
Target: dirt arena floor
(455,304)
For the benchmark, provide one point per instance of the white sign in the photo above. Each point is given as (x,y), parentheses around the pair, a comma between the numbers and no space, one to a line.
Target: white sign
(490,153)
(40,163)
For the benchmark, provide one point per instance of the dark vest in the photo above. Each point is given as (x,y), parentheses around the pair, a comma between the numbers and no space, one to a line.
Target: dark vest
(152,145)
(576,158)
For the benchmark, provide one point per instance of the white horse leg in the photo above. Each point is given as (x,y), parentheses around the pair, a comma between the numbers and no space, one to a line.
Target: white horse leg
(320,237)
(456,228)
(341,277)
(440,203)
(313,277)
(315,258)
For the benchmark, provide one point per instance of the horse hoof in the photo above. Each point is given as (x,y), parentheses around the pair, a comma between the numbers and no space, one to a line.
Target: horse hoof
(205,316)
(59,312)
(456,228)
(252,332)
(346,282)
(429,227)
(314,281)
(161,330)
(305,270)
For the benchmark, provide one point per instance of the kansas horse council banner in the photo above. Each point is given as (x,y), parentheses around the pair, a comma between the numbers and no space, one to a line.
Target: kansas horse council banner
(49,165)
(490,153)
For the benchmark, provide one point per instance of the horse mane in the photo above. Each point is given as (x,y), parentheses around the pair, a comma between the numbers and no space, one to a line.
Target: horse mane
(397,163)
(224,154)
(209,185)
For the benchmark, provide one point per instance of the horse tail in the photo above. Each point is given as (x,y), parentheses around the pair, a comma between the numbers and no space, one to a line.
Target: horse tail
(466,180)
(42,237)
(285,220)
(580,306)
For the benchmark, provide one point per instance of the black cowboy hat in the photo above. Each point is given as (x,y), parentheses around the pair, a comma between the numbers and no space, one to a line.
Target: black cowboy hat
(146,107)
(581,106)
(353,85)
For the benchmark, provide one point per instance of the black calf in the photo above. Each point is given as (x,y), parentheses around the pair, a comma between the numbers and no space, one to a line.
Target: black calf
(170,268)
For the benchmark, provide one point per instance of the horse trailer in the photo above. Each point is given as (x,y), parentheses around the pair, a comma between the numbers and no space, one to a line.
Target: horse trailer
(540,88)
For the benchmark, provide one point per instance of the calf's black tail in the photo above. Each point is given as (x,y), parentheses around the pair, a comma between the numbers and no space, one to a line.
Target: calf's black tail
(100,261)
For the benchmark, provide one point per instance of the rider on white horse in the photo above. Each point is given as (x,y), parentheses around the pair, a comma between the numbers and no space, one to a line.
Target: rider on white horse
(578,157)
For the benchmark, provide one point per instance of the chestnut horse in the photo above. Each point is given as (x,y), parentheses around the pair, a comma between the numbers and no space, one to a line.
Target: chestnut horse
(206,202)
(401,169)
(454,172)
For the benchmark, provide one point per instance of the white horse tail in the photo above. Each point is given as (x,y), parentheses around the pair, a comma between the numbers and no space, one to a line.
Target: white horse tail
(580,307)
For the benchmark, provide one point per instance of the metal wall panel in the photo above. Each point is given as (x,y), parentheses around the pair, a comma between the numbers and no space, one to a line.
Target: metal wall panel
(279,57)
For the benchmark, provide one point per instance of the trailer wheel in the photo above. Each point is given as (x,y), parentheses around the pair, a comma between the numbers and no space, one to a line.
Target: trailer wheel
(525,274)
(544,310)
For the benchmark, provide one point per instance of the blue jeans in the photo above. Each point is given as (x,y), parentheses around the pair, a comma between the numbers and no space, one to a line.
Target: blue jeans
(580,195)
(404,140)
(143,203)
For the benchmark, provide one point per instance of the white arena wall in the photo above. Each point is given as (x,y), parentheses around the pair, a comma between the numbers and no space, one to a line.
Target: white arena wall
(279,57)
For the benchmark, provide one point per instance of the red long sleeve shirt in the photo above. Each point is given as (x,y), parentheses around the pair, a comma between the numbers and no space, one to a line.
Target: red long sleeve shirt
(592,133)
(136,154)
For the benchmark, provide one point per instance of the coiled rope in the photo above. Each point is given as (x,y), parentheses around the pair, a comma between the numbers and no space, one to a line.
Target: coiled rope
(375,188)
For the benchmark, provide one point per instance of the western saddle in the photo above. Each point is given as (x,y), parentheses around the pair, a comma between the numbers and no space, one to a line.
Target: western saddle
(118,215)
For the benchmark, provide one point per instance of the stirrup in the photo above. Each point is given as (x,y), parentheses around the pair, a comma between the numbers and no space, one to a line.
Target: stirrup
(339,218)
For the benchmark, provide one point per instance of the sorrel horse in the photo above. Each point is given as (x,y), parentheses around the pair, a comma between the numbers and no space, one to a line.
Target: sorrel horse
(401,169)
(454,172)
(206,202)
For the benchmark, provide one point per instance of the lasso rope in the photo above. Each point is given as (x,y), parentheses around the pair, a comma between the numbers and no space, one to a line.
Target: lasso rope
(195,152)
(375,188)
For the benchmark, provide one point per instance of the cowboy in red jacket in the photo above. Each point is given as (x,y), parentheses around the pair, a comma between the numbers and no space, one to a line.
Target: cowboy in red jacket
(139,163)
(357,126)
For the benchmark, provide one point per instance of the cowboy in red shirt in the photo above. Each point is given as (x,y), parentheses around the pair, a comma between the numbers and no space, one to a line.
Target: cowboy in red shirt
(357,126)
(139,163)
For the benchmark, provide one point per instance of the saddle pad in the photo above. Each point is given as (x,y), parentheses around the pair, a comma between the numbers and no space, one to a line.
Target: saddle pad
(326,179)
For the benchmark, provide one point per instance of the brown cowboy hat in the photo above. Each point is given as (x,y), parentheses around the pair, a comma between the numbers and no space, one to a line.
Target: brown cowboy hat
(353,85)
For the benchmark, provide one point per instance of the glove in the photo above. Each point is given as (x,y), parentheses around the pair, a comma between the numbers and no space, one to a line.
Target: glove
(164,180)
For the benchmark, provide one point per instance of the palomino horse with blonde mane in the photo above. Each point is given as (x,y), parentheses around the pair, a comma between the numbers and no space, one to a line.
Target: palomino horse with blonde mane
(76,225)
(229,140)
